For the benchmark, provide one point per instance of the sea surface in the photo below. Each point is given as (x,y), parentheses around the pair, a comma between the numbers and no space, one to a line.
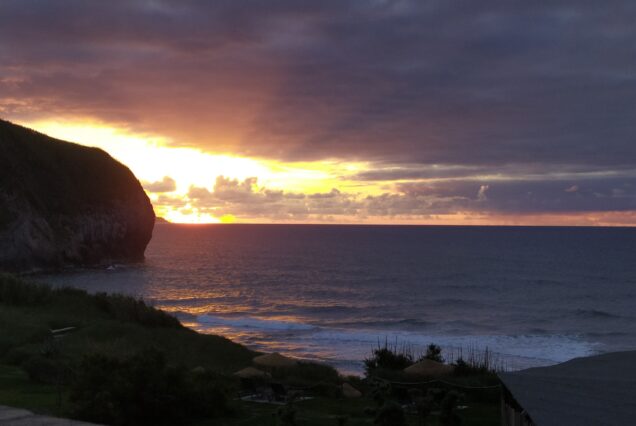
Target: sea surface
(531,296)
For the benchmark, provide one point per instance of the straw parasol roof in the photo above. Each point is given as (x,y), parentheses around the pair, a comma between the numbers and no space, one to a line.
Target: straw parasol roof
(252,373)
(429,368)
(274,360)
(349,391)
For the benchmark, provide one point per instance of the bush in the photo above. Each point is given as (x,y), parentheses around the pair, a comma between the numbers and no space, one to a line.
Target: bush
(448,415)
(391,414)
(16,356)
(17,292)
(14,291)
(434,353)
(129,309)
(287,414)
(46,370)
(144,390)
(424,403)
(387,358)
(462,368)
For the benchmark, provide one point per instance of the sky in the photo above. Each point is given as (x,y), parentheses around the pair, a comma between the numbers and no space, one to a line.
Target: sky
(341,111)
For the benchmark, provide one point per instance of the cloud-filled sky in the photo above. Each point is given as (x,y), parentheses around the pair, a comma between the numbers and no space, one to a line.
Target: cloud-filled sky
(382,111)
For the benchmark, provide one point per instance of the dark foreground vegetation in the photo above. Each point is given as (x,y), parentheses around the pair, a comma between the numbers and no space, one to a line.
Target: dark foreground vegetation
(115,360)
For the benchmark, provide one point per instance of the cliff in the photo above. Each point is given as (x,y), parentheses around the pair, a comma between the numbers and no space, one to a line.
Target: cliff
(64,204)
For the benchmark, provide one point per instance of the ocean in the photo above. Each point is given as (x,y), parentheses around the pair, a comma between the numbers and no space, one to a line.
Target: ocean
(530,295)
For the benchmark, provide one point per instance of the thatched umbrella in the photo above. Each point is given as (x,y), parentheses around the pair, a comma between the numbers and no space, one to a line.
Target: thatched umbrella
(349,391)
(274,360)
(252,373)
(429,368)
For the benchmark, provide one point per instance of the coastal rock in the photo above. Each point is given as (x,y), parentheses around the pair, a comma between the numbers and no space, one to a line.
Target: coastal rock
(64,204)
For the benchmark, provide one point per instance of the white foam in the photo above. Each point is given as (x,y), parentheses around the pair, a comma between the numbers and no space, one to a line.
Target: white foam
(350,345)
(540,348)
(252,323)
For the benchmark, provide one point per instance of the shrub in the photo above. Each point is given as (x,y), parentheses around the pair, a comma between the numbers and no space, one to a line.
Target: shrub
(462,368)
(14,291)
(342,420)
(16,356)
(448,415)
(476,361)
(287,414)
(433,352)
(144,390)
(380,392)
(424,403)
(42,369)
(390,414)
(387,358)
(129,309)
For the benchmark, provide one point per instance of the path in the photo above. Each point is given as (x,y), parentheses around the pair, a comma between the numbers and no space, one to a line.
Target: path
(10,416)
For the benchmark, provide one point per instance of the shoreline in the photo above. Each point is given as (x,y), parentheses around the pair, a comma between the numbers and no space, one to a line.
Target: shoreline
(365,339)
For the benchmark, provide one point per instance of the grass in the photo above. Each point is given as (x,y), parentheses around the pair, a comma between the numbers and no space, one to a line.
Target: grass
(17,390)
(120,327)
(116,325)
(32,164)
(324,412)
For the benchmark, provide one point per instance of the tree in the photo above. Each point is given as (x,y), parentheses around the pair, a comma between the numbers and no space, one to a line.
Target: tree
(386,358)
(434,352)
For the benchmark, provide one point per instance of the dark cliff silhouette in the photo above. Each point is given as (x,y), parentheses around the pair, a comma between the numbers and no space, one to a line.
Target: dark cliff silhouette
(65,204)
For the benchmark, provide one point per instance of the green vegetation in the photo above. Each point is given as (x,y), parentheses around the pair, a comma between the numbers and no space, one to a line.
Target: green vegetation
(471,384)
(111,325)
(115,352)
(387,359)
(145,390)
(58,176)
(390,359)
(122,362)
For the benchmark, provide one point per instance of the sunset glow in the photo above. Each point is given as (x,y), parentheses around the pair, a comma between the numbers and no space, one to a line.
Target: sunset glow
(153,158)
(171,174)
(401,121)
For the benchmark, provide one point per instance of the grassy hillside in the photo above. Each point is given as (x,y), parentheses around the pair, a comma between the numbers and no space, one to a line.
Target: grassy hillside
(58,176)
(123,362)
(105,324)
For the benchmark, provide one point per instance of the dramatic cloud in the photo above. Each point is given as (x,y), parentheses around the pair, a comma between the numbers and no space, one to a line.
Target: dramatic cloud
(435,81)
(167,184)
(245,199)
(480,106)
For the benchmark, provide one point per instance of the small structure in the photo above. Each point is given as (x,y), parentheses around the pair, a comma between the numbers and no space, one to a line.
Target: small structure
(429,368)
(596,390)
(274,360)
(252,373)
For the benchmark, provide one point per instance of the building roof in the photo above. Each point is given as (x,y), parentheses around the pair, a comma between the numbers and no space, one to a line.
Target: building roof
(429,368)
(274,360)
(596,390)
(252,373)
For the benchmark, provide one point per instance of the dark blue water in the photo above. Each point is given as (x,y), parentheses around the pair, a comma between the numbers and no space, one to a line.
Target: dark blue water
(534,296)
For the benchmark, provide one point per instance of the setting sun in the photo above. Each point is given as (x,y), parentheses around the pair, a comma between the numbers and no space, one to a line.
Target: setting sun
(154,158)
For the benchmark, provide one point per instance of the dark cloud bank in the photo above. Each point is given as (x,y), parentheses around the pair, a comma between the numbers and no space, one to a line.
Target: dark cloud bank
(539,97)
